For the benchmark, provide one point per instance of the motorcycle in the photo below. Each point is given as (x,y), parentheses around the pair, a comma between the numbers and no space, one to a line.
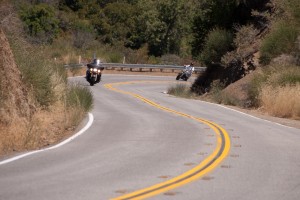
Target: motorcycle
(186,73)
(94,72)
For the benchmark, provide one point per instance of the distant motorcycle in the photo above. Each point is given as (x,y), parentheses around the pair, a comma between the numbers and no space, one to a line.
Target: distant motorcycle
(94,72)
(186,73)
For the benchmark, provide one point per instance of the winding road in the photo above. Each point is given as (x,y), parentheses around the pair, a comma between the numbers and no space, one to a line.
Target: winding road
(144,143)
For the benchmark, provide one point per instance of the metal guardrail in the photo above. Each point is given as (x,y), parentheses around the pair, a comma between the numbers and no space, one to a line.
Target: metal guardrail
(139,66)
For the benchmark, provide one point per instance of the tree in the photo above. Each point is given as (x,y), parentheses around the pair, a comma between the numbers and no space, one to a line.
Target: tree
(41,21)
(115,22)
(160,24)
(217,43)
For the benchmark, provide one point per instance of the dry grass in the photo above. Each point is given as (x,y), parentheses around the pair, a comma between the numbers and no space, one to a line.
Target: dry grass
(181,90)
(45,128)
(281,101)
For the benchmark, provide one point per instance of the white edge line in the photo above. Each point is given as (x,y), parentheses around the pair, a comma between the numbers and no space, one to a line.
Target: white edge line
(249,115)
(90,122)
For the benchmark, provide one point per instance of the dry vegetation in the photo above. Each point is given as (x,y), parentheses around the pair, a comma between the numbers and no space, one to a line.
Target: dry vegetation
(281,101)
(37,107)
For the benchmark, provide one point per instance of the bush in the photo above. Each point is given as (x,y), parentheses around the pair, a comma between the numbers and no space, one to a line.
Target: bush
(180,90)
(36,73)
(80,97)
(41,21)
(255,88)
(244,37)
(281,39)
(275,77)
(217,43)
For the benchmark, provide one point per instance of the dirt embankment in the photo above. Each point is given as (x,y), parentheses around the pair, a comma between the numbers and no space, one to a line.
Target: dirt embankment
(15,104)
(15,101)
(23,124)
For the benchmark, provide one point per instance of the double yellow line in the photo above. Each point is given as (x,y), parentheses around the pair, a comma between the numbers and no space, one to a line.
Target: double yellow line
(207,165)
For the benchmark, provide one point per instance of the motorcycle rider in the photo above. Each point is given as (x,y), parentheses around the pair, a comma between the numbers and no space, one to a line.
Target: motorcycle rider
(186,72)
(94,64)
(190,67)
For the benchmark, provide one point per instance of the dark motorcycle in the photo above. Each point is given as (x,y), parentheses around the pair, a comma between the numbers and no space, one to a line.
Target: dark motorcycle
(185,74)
(94,72)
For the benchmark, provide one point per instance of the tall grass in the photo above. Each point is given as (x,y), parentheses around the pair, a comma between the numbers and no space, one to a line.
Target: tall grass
(79,96)
(180,90)
(79,100)
(277,90)
(36,72)
(281,101)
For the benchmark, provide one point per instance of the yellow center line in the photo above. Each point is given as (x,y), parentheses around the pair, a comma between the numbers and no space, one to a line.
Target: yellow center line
(207,165)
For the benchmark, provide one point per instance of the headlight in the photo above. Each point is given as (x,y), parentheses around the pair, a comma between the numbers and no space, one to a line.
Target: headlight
(99,70)
(95,70)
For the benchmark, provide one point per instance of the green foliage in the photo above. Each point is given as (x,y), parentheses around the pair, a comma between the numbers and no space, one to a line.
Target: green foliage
(212,13)
(217,43)
(79,97)
(292,8)
(41,21)
(176,27)
(279,77)
(115,57)
(281,39)
(75,5)
(116,22)
(162,25)
(294,5)
(36,74)
(223,14)
(255,88)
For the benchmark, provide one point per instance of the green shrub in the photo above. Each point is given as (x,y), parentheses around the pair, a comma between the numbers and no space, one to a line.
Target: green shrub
(284,75)
(115,57)
(36,74)
(217,43)
(255,88)
(79,96)
(281,39)
(41,21)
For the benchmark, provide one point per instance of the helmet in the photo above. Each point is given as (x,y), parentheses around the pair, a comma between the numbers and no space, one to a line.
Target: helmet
(192,64)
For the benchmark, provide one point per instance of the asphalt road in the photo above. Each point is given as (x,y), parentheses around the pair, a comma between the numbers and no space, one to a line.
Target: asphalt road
(144,137)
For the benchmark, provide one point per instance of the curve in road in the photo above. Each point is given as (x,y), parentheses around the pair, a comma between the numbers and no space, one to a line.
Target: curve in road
(207,165)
